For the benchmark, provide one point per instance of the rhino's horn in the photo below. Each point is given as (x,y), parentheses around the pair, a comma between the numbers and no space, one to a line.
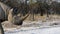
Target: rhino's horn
(23,18)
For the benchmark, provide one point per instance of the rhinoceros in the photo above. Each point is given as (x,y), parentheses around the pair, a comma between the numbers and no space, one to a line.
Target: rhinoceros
(6,13)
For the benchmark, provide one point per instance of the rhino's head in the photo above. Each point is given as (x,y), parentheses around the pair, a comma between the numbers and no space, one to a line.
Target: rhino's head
(16,19)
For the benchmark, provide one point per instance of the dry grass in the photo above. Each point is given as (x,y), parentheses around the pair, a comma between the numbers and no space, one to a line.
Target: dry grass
(36,17)
(43,18)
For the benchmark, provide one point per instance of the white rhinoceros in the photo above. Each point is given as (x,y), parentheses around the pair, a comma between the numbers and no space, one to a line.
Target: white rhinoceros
(7,13)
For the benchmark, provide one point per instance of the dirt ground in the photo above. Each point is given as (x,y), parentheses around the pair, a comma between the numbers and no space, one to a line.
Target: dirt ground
(39,21)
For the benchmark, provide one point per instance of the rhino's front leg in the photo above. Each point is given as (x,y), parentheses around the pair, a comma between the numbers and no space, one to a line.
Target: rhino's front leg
(1,29)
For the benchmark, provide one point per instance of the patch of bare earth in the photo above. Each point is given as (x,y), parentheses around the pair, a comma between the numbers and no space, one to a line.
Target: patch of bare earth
(7,24)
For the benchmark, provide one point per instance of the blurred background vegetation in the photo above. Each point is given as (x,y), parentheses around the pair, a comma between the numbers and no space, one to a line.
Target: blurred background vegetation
(41,7)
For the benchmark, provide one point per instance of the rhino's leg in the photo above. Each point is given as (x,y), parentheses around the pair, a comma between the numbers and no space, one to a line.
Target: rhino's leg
(1,28)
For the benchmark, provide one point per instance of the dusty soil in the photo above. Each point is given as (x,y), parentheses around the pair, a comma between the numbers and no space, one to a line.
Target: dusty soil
(39,21)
